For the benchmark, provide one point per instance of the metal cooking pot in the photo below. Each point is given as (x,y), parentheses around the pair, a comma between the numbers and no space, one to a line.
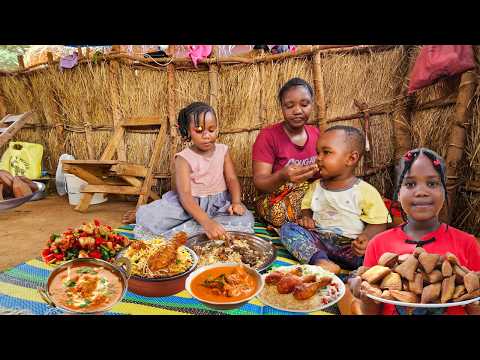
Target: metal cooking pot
(121,267)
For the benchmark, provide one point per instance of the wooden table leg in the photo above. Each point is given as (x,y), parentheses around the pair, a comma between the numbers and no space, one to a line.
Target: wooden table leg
(84,202)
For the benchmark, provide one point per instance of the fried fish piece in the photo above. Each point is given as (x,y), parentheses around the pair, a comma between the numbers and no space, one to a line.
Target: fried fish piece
(408,267)
(392,281)
(416,286)
(428,261)
(434,277)
(459,291)
(164,257)
(402,258)
(431,293)
(388,259)
(447,269)
(448,287)
(471,282)
(375,274)
(404,296)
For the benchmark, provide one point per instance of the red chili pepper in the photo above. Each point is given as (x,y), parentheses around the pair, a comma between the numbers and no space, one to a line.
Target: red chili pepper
(95,254)
(96,222)
(99,241)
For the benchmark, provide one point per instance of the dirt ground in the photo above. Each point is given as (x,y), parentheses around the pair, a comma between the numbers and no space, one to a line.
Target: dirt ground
(24,230)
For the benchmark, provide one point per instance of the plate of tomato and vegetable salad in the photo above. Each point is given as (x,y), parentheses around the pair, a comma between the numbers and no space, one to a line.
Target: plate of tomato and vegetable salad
(90,240)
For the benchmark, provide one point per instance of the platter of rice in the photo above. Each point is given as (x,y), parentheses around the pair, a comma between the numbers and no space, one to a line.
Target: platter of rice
(244,248)
(301,288)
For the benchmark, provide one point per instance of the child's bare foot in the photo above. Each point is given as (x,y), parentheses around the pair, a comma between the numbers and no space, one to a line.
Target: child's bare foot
(129,217)
(329,266)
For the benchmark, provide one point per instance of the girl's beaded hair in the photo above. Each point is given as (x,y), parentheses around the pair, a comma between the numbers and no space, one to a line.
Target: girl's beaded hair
(294,82)
(406,164)
(192,112)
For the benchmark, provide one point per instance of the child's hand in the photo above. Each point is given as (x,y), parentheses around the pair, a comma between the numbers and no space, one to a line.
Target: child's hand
(360,291)
(236,209)
(359,245)
(214,230)
(306,222)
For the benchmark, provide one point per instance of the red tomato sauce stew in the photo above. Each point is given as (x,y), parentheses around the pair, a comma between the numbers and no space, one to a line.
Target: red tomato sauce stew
(86,288)
(224,284)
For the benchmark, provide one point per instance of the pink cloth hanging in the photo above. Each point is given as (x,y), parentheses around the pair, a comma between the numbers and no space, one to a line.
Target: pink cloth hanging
(199,52)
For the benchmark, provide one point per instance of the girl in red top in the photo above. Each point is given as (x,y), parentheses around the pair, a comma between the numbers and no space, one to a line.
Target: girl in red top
(421,191)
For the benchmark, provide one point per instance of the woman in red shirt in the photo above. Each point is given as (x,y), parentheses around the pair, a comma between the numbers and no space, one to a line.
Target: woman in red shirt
(421,191)
(284,156)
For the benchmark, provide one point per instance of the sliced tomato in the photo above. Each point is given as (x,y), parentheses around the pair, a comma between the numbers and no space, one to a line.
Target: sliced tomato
(95,254)
(59,256)
(96,222)
(46,252)
(99,241)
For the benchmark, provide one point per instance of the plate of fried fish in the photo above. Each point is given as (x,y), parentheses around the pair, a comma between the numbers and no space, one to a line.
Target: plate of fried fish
(160,266)
(301,288)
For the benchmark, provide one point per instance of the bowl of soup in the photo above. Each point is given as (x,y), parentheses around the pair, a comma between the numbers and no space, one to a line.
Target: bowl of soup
(87,285)
(224,285)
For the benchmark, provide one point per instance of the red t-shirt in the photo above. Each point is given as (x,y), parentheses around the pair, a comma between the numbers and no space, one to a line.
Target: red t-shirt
(273,146)
(458,242)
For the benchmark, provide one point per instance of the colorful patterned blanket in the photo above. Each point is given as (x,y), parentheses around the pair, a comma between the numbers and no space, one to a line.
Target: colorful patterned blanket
(18,292)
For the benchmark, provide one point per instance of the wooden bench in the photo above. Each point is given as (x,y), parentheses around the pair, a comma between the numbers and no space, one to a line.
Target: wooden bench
(119,177)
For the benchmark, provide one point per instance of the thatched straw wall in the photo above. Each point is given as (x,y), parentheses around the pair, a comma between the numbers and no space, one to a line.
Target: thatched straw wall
(246,101)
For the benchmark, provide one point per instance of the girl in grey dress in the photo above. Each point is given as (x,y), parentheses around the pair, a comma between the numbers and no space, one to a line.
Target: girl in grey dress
(208,196)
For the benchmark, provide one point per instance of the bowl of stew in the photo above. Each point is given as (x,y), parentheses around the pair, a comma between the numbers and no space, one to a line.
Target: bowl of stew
(224,285)
(87,285)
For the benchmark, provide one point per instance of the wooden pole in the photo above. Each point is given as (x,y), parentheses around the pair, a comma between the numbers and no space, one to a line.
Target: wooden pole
(21,63)
(461,121)
(114,69)
(319,90)
(3,107)
(56,111)
(263,108)
(79,52)
(402,137)
(213,80)
(172,114)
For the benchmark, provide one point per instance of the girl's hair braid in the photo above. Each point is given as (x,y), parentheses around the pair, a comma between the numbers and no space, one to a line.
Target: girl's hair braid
(190,112)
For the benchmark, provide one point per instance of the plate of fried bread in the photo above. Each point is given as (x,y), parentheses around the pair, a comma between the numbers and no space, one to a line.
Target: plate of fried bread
(301,288)
(420,279)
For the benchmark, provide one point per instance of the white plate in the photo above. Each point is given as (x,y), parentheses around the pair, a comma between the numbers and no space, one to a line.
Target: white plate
(417,305)
(336,279)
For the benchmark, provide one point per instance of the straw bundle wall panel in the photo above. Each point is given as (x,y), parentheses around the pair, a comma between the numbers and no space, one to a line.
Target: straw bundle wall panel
(238,107)
(369,77)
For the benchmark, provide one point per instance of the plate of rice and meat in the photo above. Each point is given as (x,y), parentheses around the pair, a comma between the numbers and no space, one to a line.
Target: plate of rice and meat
(160,266)
(239,247)
(301,288)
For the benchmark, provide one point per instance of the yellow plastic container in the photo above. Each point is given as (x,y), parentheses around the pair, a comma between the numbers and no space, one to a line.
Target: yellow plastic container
(23,158)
